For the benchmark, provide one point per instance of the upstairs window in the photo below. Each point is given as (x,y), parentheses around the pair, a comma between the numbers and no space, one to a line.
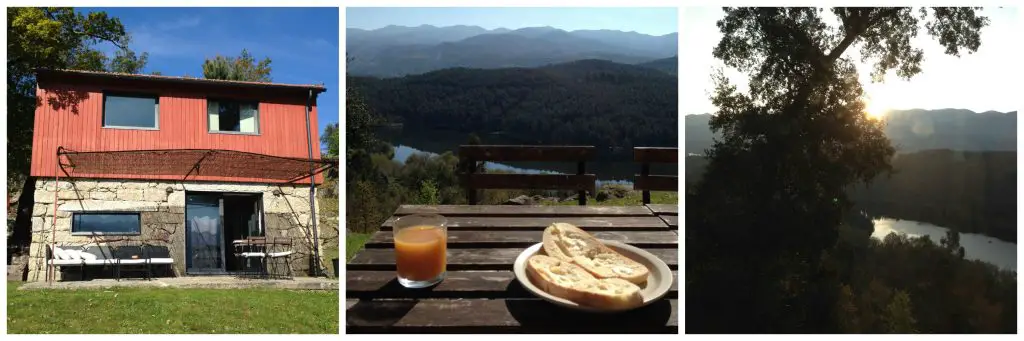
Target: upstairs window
(130,111)
(239,117)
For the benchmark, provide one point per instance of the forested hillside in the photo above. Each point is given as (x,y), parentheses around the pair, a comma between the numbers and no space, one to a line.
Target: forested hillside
(609,105)
(912,130)
(966,191)
(667,65)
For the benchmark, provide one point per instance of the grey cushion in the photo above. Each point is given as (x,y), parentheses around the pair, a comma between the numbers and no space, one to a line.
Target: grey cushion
(101,251)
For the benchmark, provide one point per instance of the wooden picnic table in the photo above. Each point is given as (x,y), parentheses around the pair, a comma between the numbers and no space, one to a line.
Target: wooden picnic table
(481,294)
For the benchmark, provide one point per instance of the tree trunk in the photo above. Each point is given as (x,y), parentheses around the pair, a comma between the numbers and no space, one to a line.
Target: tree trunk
(22,234)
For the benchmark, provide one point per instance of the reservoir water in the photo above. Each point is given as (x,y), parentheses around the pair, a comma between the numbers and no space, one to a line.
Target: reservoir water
(976,246)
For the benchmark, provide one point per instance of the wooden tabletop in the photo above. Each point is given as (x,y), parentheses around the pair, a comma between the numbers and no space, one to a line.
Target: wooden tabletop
(481,294)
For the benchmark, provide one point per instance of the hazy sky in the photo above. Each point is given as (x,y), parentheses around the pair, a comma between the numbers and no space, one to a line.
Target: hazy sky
(653,21)
(985,80)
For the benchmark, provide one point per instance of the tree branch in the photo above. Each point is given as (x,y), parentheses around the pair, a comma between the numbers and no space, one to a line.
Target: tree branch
(51,16)
(855,27)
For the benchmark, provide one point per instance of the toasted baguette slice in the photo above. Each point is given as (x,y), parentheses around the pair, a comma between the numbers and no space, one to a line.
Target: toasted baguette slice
(571,244)
(571,282)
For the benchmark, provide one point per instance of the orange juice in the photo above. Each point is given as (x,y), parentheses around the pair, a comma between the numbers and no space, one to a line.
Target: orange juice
(420,252)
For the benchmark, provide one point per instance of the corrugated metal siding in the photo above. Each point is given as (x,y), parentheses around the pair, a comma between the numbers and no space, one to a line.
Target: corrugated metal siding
(182,125)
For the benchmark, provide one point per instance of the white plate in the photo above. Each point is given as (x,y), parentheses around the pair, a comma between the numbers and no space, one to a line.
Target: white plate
(658,281)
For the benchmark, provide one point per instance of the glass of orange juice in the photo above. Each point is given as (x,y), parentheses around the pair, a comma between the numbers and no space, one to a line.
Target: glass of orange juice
(421,246)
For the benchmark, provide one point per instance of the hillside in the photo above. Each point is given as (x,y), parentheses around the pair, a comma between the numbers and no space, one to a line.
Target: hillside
(668,65)
(610,105)
(912,130)
(967,191)
(397,51)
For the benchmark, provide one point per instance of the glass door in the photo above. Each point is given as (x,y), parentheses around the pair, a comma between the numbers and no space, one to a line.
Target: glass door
(204,236)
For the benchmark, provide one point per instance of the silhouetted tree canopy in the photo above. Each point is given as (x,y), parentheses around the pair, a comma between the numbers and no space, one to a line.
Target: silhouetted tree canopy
(771,200)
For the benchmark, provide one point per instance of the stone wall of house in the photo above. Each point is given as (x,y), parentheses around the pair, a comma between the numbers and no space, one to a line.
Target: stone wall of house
(162,212)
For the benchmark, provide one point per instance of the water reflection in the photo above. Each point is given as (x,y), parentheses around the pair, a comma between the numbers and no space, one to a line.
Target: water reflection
(976,246)
(609,166)
(402,152)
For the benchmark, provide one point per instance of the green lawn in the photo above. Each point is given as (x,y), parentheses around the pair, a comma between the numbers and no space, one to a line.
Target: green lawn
(170,311)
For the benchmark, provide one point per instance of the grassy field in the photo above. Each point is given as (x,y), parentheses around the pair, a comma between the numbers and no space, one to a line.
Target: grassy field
(171,311)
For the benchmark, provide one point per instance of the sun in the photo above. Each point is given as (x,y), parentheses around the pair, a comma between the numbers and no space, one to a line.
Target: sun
(875,109)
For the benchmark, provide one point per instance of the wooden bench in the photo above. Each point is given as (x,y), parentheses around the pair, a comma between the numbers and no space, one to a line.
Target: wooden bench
(645,181)
(581,182)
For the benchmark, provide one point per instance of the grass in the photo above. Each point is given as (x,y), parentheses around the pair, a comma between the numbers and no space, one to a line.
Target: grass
(634,198)
(170,311)
(354,243)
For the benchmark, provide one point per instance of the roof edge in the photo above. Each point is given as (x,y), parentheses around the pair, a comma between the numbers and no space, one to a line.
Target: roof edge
(179,80)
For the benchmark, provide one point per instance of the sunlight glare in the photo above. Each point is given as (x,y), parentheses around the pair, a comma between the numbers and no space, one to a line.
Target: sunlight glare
(875,109)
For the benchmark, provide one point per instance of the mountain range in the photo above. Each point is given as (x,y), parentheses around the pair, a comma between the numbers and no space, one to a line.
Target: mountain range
(911,130)
(395,51)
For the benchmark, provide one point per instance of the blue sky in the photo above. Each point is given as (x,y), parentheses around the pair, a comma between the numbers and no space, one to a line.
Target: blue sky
(651,20)
(302,43)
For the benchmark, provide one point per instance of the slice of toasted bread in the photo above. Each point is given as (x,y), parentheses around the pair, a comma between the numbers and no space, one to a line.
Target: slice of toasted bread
(571,282)
(570,243)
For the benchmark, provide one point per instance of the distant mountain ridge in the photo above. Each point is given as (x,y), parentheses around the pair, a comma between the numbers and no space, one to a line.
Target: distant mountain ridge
(911,130)
(401,50)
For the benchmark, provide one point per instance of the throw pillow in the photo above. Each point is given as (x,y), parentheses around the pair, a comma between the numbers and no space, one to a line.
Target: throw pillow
(60,253)
(87,256)
(73,254)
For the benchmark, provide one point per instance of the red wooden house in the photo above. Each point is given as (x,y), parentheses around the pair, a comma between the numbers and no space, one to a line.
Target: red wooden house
(195,165)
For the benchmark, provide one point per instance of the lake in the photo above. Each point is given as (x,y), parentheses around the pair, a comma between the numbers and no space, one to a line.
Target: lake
(976,246)
(607,168)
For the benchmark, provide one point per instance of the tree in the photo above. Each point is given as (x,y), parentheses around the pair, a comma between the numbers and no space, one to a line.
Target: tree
(125,61)
(241,68)
(359,135)
(55,38)
(52,37)
(899,314)
(773,193)
(330,140)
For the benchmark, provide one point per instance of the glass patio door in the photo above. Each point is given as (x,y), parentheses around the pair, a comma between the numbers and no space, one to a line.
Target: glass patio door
(204,237)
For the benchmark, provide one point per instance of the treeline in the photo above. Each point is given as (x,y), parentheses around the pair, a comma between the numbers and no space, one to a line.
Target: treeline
(915,285)
(612,106)
(968,191)
(910,130)
(862,285)
(971,192)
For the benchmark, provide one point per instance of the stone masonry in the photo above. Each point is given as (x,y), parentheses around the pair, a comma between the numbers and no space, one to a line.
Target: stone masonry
(162,212)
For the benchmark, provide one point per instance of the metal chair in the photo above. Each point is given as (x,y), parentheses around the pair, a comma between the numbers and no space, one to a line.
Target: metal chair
(253,247)
(129,255)
(280,250)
